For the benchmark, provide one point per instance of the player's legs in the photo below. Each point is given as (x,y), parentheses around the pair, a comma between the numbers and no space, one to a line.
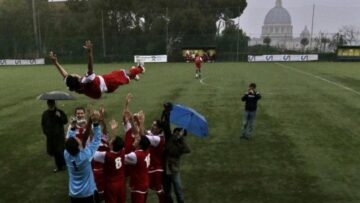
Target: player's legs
(122,194)
(156,185)
(138,197)
(115,79)
(99,181)
(197,72)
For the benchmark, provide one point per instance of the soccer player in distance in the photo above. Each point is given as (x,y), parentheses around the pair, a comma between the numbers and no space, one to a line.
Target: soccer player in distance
(197,62)
(93,85)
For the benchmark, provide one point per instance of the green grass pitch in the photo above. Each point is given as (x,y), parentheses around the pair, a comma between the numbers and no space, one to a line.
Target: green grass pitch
(306,144)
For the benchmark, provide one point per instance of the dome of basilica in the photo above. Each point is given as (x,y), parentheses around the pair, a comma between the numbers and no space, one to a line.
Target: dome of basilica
(277,15)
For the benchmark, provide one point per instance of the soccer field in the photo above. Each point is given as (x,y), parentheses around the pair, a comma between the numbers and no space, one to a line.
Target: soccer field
(305,146)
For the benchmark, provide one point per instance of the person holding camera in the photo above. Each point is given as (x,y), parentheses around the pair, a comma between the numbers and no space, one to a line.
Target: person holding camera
(251,97)
(52,123)
(80,123)
(175,147)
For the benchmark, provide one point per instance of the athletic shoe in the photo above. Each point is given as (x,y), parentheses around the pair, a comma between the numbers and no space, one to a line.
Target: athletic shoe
(137,78)
(135,71)
(141,65)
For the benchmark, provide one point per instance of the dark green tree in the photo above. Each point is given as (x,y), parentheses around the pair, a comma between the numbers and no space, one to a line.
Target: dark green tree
(304,42)
(267,41)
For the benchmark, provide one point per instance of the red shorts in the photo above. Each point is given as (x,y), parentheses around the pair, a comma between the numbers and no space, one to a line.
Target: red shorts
(197,65)
(115,192)
(138,197)
(128,170)
(99,179)
(156,181)
(114,79)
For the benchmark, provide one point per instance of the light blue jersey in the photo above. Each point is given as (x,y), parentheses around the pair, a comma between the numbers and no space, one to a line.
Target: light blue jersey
(82,182)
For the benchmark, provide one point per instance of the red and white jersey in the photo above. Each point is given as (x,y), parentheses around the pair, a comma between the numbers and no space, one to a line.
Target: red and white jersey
(129,138)
(114,167)
(93,85)
(139,178)
(157,146)
(103,147)
(113,163)
(198,61)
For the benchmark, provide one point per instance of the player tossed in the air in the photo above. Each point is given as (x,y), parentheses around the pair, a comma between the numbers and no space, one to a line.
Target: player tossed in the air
(93,85)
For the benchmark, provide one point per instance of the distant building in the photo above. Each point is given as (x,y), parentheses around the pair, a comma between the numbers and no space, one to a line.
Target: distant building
(278,27)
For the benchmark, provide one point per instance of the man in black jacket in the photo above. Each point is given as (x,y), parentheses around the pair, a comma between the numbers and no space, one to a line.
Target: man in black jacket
(250,98)
(52,123)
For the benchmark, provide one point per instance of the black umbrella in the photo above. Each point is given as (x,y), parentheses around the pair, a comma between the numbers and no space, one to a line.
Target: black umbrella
(56,95)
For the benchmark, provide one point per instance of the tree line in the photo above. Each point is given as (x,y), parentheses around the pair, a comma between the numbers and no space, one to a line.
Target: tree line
(118,28)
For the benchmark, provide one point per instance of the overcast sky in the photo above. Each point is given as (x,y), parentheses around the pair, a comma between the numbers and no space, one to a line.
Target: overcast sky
(330,15)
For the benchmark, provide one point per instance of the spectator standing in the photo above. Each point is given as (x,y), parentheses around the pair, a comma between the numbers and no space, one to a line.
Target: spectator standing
(175,148)
(52,123)
(251,97)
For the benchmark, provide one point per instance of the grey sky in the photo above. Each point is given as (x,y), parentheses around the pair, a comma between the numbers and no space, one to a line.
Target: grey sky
(330,15)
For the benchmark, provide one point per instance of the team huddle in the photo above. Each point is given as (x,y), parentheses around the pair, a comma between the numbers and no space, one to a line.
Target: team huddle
(100,161)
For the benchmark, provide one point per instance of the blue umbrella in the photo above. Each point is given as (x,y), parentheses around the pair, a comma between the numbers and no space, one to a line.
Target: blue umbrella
(189,119)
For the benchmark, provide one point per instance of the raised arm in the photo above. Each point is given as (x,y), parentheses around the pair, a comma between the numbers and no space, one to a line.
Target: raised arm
(89,48)
(141,118)
(102,119)
(258,95)
(244,97)
(126,115)
(113,129)
(71,132)
(54,60)
(94,144)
